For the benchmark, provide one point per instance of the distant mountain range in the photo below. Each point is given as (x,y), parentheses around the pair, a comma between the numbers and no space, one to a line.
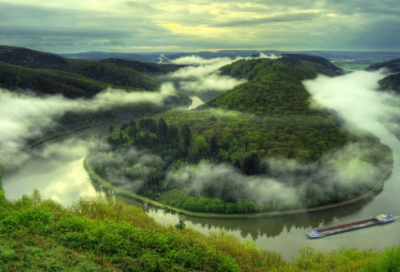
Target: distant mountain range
(155,56)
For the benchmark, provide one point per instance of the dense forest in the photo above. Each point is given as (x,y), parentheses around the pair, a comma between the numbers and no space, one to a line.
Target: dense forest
(254,131)
(107,72)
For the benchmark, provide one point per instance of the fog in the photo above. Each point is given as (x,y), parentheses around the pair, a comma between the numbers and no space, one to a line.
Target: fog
(356,98)
(24,116)
(353,96)
(203,75)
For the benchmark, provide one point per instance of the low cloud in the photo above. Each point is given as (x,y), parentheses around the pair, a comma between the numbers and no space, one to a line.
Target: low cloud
(203,75)
(24,116)
(356,98)
(211,82)
(286,180)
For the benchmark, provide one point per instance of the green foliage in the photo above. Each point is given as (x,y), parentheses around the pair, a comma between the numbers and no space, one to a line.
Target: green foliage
(388,261)
(274,86)
(391,83)
(106,72)
(278,125)
(103,234)
(49,81)
(181,224)
(147,68)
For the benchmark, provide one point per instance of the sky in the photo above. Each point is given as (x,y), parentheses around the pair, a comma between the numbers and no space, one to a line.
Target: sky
(71,26)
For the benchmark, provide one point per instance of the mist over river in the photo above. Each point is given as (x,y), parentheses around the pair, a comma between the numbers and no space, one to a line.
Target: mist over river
(60,175)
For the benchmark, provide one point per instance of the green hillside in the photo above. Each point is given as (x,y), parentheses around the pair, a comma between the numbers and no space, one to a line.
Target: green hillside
(391,82)
(249,128)
(26,70)
(143,67)
(47,81)
(101,71)
(274,86)
(101,234)
(393,66)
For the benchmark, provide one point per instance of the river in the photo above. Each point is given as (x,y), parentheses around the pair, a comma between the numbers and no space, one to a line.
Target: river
(55,169)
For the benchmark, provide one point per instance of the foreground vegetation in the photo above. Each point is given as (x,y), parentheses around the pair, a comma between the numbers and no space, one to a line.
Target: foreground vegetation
(104,234)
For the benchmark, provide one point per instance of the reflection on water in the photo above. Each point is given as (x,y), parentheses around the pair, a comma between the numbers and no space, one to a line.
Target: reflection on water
(61,176)
(65,183)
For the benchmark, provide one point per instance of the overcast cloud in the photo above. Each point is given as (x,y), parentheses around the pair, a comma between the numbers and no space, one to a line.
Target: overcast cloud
(128,26)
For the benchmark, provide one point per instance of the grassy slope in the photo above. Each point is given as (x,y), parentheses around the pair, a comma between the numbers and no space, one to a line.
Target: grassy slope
(100,234)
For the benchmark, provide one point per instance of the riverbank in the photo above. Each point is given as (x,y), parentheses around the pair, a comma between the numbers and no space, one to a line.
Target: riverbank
(107,185)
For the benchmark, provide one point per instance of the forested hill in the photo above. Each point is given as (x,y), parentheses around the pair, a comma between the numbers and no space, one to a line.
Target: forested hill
(143,67)
(106,71)
(392,65)
(391,82)
(47,81)
(258,124)
(274,86)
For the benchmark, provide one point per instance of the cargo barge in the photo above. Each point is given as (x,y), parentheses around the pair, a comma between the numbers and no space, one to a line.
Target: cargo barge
(378,220)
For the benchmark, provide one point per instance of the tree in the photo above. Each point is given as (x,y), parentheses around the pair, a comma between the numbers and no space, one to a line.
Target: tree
(186,137)
(121,137)
(173,134)
(237,164)
(162,129)
(213,146)
(251,164)
(111,129)
(133,130)
(181,224)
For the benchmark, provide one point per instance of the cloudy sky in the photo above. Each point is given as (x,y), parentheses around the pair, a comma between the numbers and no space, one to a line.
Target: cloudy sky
(69,26)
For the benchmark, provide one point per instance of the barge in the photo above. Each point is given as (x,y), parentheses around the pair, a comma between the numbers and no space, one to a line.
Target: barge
(378,220)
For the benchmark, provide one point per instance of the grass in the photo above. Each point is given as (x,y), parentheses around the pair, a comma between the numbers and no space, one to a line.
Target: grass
(35,253)
(104,234)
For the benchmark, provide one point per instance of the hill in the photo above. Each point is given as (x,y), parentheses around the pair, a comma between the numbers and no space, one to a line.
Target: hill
(274,86)
(111,72)
(95,55)
(26,70)
(148,68)
(47,81)
(248,131)
(391,82)
(393,66)
(104,234)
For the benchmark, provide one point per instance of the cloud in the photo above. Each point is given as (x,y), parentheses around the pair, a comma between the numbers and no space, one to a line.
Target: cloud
(204,76)
(355,97)
(286,180)
(286,18)
(211,82)
(297,25)
(24,116)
